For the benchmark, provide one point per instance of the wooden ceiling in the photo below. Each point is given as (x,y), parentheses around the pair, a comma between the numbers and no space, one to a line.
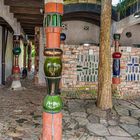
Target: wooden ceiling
(27,13)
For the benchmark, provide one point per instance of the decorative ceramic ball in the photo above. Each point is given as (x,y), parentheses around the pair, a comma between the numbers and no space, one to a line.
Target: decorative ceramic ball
(16,69)
(16,51)
(116,36)
(116,55)
(62,37)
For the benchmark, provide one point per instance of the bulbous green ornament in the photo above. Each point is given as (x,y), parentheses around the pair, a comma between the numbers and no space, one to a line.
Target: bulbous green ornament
(52,104)
(53,62)
(116,36)
(53,66)
(16,50)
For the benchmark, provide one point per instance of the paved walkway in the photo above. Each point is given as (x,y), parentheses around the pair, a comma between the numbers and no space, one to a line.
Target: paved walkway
(21,117)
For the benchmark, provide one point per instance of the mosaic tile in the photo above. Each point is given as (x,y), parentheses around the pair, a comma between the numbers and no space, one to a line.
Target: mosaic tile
(89,66)
(133,68)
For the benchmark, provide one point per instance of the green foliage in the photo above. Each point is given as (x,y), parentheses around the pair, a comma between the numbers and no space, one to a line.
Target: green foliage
(33,53)
(124,4)
(85,92)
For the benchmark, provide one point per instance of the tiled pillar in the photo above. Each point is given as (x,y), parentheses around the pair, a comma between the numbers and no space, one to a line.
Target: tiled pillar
(52,105)
(116,60)
(16,84)
(24,72)
(29,57)
(37,36)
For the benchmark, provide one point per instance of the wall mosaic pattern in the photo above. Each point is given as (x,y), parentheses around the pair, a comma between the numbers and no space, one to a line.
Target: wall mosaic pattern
(87,67)
(133,68)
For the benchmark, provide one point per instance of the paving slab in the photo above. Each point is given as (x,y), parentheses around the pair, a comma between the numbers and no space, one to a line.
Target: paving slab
(131,129)
(21,117)
(98,129)
(118,138)
(117,131)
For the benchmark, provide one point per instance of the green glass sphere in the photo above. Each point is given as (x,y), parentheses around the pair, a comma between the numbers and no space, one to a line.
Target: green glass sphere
(52,104)
(16,50)
(53,66)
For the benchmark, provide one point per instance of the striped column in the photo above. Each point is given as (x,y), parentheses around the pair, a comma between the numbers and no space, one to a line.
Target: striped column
(116,60)
(52,105)
(16,70)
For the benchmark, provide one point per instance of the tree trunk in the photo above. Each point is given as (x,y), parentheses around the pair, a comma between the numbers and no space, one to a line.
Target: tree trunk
(104,99)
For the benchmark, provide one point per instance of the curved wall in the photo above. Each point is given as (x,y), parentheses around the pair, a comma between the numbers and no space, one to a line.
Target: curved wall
(78,32)
(135,39)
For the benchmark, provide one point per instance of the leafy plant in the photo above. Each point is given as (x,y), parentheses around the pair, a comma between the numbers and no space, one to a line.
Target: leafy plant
(123,5)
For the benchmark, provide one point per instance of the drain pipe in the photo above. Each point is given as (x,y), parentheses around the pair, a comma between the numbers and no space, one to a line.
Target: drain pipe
(4,45)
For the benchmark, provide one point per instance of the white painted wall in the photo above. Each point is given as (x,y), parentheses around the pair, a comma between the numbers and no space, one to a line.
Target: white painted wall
(9,17)
(9,56)
(135,39)
(0,51)
(41,58)
(76,34)
(21,56)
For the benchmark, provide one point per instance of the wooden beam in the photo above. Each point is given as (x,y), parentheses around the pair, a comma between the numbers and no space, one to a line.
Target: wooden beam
(28,16)
(29,25)
(25,10)
(25,3)
(30,32)
(31,22)
(30,28)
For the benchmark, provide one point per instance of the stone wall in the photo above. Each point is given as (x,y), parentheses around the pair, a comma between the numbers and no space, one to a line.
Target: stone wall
(71,66)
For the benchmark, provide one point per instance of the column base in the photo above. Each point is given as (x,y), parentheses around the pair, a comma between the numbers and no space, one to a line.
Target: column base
(52,126)
(16,85)
(116,80)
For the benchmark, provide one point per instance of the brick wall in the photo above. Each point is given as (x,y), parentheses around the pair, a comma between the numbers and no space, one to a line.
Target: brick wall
(72,69)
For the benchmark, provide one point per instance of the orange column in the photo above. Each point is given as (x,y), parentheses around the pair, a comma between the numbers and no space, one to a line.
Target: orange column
(52,105)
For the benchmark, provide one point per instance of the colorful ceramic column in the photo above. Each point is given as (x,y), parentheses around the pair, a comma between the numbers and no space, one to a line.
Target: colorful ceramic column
(36,62)
(52,105)
(16,84)
(29,57)
(24,72)
(116,60)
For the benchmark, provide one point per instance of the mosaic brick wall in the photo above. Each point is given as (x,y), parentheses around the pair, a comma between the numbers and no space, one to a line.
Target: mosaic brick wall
(80,68)
(130,72)
(133,68)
